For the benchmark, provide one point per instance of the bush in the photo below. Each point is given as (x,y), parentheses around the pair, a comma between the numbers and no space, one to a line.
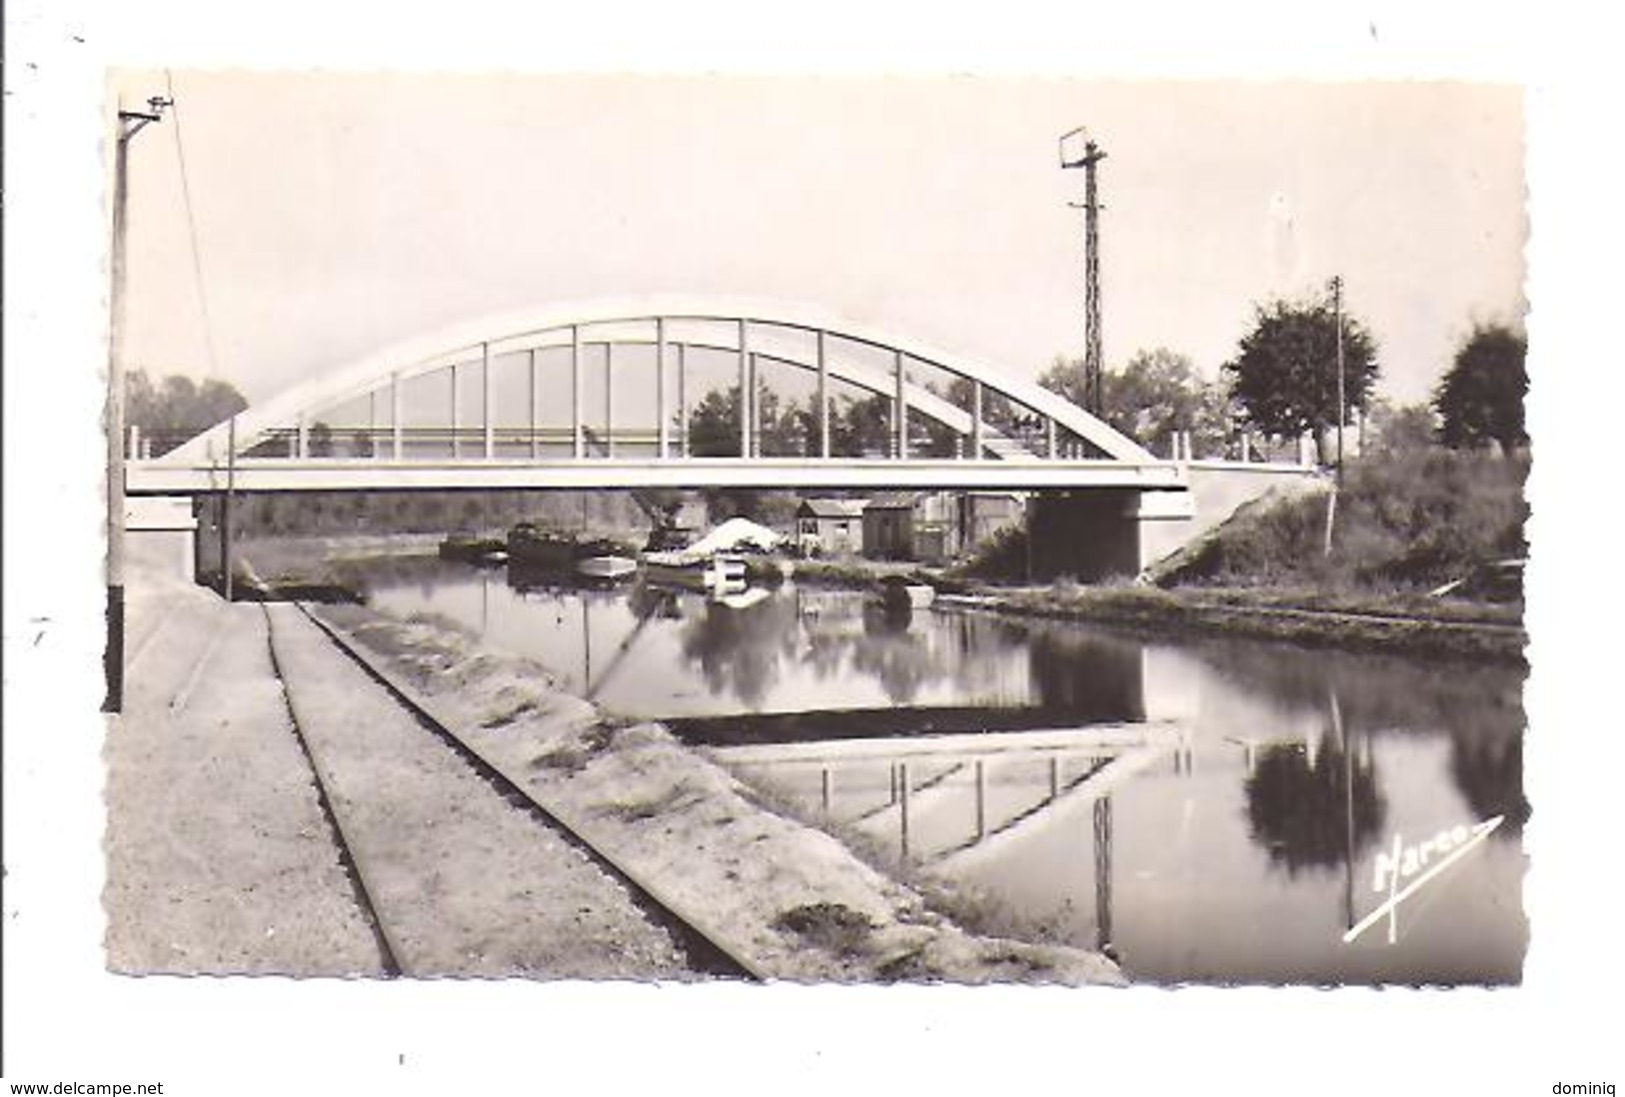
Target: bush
(1403,520)
(1002,557)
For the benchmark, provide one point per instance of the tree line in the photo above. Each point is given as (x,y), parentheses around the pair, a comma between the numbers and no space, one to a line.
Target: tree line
(1282,382)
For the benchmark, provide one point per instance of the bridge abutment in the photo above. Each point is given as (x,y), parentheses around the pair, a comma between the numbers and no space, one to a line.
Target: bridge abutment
(160,534)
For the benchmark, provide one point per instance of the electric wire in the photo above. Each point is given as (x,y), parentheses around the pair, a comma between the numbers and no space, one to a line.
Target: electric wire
(191,227)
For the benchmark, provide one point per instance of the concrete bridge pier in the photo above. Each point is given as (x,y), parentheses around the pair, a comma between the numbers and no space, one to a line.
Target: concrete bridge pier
(1100,533)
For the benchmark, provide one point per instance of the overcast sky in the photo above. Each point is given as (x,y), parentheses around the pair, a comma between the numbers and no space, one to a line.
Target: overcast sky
(336,214)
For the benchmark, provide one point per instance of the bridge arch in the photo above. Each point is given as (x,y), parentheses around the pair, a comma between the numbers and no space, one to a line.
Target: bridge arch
(760,330)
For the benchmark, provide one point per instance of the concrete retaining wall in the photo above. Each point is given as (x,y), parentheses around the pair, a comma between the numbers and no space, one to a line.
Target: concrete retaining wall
(160,533)
(1217,489)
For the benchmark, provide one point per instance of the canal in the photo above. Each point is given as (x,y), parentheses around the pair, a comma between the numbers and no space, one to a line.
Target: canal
(1207,810)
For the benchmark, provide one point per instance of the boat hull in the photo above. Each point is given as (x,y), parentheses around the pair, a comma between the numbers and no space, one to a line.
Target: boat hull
(693,573)
(606,569)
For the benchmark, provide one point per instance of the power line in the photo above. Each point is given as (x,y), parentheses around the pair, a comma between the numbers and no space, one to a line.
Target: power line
(191,228)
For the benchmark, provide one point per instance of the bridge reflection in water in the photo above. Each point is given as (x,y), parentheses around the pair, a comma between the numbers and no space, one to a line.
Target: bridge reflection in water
(945,801)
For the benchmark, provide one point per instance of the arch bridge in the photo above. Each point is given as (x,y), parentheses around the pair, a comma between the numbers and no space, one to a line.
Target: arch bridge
(658,392)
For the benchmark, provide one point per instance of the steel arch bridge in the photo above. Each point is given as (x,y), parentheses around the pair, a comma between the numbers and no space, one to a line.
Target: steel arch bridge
(951,421)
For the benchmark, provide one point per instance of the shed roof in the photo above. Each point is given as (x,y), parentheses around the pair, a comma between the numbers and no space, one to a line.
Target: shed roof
(831,508)
(893,500)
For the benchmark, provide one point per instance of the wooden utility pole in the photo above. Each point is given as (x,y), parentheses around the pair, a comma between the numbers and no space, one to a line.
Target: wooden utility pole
(130,123)
(1342,410)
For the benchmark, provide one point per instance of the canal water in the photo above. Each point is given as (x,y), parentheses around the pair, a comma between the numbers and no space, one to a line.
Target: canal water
(1206,810)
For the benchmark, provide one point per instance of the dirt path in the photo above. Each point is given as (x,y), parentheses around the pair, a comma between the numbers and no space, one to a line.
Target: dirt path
(464,882)
(218,856)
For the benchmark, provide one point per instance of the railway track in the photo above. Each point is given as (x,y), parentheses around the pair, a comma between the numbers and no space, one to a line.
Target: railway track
(457,868)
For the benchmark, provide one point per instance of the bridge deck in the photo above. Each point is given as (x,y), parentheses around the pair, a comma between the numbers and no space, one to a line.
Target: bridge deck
(164,477)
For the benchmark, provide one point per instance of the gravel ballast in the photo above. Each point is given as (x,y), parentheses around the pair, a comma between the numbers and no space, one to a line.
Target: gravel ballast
(464,882)
(219,858)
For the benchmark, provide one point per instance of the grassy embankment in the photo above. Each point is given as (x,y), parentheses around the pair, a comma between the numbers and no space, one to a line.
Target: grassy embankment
(1404,526)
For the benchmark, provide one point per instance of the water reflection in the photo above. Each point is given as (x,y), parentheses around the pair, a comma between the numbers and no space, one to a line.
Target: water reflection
(740,651)
(1240,850)
(1488,769)
(1314,811)
(1099,677)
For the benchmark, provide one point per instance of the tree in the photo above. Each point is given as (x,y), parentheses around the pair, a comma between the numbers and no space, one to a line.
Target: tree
(320,441)
(1481,398)
(176,409)
(1394,429)
(859,426)
(1156,394)
(784,428)
(713,424)
(1284,375)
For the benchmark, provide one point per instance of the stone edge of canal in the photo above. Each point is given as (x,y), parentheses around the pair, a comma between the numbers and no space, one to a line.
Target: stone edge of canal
(793,900)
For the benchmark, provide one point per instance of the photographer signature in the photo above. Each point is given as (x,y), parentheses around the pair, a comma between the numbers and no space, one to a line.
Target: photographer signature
(1402,862)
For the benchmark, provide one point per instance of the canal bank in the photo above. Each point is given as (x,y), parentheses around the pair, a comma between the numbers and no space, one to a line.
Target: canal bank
(1407,625)
(788,898)
(237,766)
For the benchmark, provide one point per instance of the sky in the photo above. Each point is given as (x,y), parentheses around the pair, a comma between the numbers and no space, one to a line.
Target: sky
(338,214)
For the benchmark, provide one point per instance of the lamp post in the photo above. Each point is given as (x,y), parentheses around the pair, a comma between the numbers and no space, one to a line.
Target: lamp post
(130,123)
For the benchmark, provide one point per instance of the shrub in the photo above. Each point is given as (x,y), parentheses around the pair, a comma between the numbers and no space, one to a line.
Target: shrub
(1403,520)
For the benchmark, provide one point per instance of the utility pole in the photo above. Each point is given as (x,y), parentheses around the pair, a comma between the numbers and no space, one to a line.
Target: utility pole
(130,123)
(1342,412)
(1087,159)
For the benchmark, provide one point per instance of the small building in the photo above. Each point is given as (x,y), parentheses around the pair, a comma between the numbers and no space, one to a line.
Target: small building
(888,526)
(829,526)
(912,525)
(934,527)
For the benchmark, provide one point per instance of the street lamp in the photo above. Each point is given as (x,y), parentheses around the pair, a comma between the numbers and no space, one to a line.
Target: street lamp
(130,123)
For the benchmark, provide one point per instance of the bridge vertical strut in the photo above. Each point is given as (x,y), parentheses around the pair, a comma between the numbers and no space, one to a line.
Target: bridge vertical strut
(485,387)
(578,438)
(682,400)
(535,404)
(396,426)
(662,426)
(456,414)
(609,399)
(976,420)
(823,397)
(755,407)
(900,408)
(744,390)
